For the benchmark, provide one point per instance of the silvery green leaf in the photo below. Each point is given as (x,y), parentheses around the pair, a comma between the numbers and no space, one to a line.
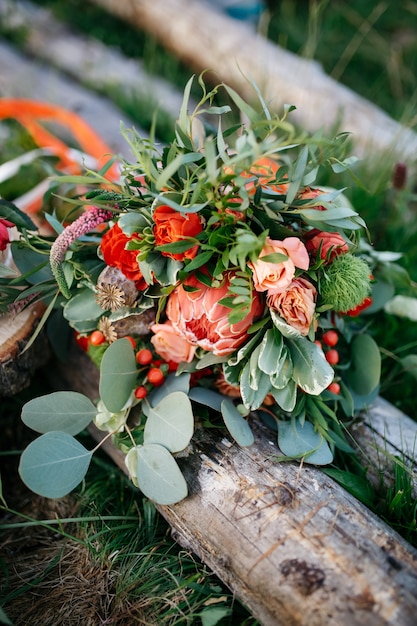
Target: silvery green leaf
(83,307)
(237,426)
(285,329)
(296,440)
(245,350)
(208,397)
(270,352)
(133,222)
(311,371)
(364,373)
(66,411)
(247,393)
(158,475)
(173,382)
(54,464)
(118,374)
(284,371)
(286,397)
(171,422)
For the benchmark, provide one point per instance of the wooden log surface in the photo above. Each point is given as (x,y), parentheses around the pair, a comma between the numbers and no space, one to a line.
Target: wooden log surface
(206,39)
(18,365)
(292,544)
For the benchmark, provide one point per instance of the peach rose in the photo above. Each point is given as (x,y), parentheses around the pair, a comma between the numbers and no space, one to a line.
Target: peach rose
(329,244)
(172,226)
(275,277)
(296,305)
(170,345)
(199,318)
(265,170)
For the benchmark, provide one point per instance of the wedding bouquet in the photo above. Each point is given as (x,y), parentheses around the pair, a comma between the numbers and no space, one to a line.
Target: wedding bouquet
(214,283)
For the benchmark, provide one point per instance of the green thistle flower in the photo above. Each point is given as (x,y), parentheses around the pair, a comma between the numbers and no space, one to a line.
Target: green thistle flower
(346,283)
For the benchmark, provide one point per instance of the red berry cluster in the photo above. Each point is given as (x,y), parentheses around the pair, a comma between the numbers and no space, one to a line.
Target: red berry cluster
(330,339)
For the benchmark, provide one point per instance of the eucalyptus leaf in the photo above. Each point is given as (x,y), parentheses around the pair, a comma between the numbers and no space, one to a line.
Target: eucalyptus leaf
(207,397)
(118,374)
(365,370)
(66,411)
(54,464)
(171,422)
(82,307)
(173,382)
(158,475)
(236,424)
(33,265)
(311,371)
(297,441)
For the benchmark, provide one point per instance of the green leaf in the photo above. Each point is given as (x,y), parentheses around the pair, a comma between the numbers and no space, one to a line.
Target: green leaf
(296,440)
(286,397)
(285,329)
(207,397)
(311,371)
(250,113)
(66,411)
(409,364)
(158,475)
(5,620)
(11,212)
(82,307)
(358,486)
(236,424)
(133,222)
(33,265)
(118,373)
(171,422)
(270,353)
(173,382)
(365,370)
(212,615)
(54,464)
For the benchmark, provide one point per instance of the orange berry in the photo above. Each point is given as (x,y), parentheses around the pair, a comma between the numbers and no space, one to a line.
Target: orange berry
(144,356)
(334,388)
(96,338)
(332,357)
(141,392)
(330,338)
(156,376)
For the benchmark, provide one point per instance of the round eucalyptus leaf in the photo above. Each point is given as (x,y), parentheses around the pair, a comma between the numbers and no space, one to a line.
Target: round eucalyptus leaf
(208,397)
(54,464)
(171,422)
(66,411)
(82,307)
(118,373)
(158,475)
(296,440)
(172,383)
(237,426)
(365,371)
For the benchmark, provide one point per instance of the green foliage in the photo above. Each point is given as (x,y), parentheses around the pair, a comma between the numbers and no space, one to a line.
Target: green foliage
(54,464)
(118,373)
(302,441)
(67,411)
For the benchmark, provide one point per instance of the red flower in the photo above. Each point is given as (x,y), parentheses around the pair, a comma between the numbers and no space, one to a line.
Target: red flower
(113,247)
(172,226)
(4,233)
(330,244)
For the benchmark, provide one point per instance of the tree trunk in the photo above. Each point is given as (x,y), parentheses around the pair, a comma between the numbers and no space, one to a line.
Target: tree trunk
(292,544)
(16,365)
(206,39)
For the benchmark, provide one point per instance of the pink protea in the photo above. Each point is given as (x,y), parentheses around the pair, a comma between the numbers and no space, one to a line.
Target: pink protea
(84,224)
(197,316)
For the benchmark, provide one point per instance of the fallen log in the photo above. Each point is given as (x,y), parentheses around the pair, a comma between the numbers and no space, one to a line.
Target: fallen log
(205,39)
(293,545)
(17,365)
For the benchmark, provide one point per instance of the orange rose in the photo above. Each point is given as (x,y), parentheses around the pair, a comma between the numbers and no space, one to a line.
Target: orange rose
(296,304)
(328,244)
(113,247)
(202,321)
(265,170)
(170,345)
(171,226)
(275,277)
(310,193)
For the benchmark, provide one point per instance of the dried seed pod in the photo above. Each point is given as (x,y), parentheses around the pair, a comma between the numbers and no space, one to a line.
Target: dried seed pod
(114,290)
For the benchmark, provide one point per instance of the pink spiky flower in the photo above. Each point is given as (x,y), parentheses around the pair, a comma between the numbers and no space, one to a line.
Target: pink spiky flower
(82,225)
